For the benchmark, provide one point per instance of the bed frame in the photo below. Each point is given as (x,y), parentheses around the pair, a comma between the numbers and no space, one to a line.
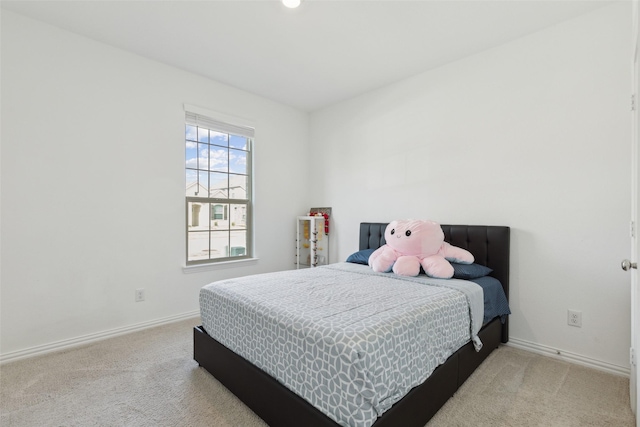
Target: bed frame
(280,407)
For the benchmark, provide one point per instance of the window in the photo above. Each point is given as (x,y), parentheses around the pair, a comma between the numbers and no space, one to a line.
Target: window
(218,212)
(218,192)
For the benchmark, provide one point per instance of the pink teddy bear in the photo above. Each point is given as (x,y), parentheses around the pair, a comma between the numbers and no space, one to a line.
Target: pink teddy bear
(414,243)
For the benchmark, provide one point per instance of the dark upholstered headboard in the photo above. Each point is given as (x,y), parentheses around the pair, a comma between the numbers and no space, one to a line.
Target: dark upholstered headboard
(489,244)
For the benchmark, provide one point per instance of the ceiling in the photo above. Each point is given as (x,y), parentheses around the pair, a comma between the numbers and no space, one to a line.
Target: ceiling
(323,52)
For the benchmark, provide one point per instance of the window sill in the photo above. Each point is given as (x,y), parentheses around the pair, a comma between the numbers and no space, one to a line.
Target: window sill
(187,269)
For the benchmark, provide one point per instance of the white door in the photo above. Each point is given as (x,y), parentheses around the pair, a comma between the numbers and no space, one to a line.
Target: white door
(635,241)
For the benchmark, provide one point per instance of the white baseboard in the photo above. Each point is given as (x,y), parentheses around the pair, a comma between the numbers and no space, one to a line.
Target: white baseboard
(86,339)
(568,357)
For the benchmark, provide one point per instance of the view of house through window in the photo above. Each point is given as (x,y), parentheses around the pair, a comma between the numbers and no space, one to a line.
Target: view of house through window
(218,196)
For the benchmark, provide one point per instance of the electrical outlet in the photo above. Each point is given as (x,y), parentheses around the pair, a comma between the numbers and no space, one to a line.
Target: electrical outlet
(139,295)
(574,318)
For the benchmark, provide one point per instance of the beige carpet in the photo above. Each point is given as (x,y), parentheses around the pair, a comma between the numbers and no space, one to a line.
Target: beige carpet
(149,378)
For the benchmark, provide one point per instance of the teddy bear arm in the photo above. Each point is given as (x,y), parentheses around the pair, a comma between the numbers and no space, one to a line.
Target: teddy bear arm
(437,266)
(382,259)
(456,254)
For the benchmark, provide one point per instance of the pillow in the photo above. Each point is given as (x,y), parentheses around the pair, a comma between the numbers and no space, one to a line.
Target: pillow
(460,271)
(360,257)
(469,271)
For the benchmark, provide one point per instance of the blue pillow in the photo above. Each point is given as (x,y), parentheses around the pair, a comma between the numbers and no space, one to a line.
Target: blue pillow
(469,271)
(360,257)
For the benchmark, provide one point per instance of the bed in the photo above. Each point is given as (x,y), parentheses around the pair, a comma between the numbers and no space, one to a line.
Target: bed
(278,405)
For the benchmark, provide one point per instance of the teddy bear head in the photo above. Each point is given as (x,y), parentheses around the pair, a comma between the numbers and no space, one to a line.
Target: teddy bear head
(414,237)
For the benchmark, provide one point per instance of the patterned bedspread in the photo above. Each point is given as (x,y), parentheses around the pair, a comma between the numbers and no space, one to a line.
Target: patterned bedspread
(350,341)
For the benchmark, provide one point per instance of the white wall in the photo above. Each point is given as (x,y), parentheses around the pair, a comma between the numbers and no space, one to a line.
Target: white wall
(93,185)
(535,135)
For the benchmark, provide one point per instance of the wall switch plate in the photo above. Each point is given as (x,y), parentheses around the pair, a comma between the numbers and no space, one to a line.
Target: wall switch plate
(139,295)
(574,318)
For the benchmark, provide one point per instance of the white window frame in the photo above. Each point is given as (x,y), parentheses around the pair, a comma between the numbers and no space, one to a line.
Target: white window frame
(204,118)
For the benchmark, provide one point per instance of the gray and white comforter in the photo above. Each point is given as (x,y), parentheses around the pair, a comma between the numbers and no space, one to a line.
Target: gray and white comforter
(350,341)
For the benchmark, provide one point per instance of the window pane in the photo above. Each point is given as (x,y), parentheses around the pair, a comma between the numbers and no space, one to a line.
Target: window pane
(219,216)
(236,141)
(238,185)
(219,159)
(191,133)
(219,244)
(203,185)
(218,138)
(191,155)
(219,185)
(197,216)
(238,217)
(203,156)
(203,135)
(191,179)
(192,182)
(237,161)
(238,240)
(198,246)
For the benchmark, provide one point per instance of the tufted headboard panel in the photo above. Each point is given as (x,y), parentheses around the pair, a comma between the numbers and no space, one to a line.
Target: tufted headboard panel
(489,244)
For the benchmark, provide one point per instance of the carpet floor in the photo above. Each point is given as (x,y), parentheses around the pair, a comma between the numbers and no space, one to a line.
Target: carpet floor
(149,378)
